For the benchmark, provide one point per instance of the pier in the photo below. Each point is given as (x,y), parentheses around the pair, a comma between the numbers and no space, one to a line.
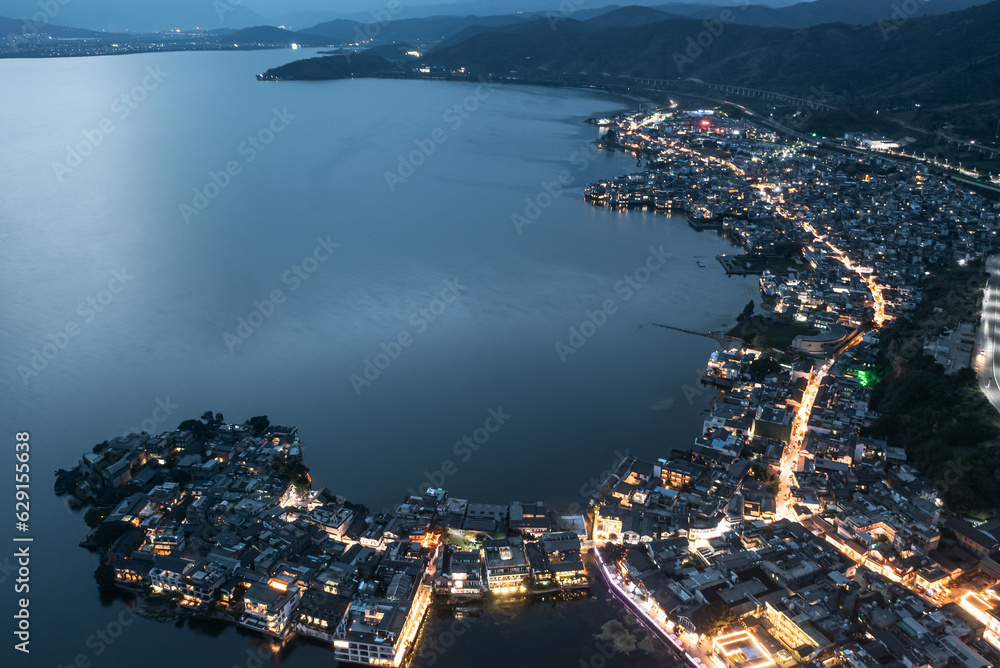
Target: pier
(716,336)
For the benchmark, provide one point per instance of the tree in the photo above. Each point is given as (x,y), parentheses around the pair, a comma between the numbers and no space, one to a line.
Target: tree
(258,424)
(748,309)
(762,366)
(715,617)
(182,478)
(761,475)
(294,470)
(356,507)
(207,416)
(94,516)
(105,576)
(762,342)
(200,429)
(66,481)
(787,249)
(612,553)
(109,532)
(218,417)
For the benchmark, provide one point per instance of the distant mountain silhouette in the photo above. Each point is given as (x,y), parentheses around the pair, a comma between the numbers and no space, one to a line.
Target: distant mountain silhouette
(854,12)
(9,26)
(415,31)
(272,35)
(138,15)
(438,22)
(953,58)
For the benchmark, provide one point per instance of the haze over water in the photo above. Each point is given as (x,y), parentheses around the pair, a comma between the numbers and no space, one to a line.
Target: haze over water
(155,336)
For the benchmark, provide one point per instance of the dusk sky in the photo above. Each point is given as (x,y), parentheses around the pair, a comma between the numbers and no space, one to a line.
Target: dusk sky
(153,15)
(465,6)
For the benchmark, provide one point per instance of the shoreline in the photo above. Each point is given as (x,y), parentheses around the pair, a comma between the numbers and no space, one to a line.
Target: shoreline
(621,90)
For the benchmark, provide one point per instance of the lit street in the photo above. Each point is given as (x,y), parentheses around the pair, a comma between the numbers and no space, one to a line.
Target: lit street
(985,360)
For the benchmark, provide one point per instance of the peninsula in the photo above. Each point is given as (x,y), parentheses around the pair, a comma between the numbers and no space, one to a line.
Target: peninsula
(219,520)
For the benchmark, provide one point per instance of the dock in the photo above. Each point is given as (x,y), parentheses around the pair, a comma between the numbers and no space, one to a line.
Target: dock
(715,336)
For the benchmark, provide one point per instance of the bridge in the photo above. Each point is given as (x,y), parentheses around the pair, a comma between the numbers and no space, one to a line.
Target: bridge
(739,90)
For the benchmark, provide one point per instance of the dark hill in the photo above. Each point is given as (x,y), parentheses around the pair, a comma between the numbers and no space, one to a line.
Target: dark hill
(626,17)
(818,12)
(272,35)
(10,26)
(942,60)
(430,30)
(335,67)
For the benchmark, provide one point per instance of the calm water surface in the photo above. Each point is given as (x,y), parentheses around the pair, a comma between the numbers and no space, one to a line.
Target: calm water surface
(177,309)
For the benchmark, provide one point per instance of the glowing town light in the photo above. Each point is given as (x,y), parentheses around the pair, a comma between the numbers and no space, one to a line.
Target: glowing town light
(735,645)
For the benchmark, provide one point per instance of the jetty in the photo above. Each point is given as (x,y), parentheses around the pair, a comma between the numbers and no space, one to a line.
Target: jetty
(717,336)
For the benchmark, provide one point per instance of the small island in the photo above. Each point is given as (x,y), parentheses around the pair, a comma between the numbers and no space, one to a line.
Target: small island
(219,521)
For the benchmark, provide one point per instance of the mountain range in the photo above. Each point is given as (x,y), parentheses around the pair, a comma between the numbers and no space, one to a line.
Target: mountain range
(949,58)
(405,21)
(807,14)
(433,29)
(926,72)
(135,15)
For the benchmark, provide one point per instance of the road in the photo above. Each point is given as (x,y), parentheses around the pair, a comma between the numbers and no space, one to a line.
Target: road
(986,362)
(790,457)
(684,658)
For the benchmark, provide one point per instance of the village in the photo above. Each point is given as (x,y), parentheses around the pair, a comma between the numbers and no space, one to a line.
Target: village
(783,534)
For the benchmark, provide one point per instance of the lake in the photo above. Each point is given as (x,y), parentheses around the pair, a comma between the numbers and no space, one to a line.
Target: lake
(391,266)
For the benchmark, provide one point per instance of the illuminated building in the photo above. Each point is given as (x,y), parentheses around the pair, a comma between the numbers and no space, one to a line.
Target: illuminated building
(133,571)
(741,650)
(507,567)
(562,555)
(458,573)
(166,538)
(608,524)
(268,608)
(319,614)
(984,608)
(334,520)
(677,474)
(199,586)
(794,628)
(529,519)
(381,631)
